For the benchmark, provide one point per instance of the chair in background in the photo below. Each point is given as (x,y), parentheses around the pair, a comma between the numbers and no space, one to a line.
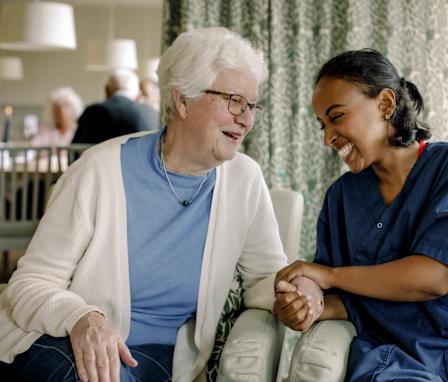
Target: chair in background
(66,155)
(25,177)
(253,349)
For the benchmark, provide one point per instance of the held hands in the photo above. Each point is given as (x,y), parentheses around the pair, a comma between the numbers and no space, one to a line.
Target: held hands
(299,298)
(320,274)
(98,349)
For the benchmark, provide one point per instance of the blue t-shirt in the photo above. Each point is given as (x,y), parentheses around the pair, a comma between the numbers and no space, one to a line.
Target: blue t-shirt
(165,242)
(356,227)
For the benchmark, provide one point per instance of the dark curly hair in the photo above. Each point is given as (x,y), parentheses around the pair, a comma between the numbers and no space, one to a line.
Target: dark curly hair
(372,72)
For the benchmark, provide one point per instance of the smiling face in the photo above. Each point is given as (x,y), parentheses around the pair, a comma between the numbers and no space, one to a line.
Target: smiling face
(352,123)
(211,134)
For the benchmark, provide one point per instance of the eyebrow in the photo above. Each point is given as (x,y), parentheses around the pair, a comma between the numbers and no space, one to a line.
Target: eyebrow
(332,107)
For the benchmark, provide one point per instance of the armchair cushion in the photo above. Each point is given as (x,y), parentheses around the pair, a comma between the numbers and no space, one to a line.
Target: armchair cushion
(252,350)
(321,354)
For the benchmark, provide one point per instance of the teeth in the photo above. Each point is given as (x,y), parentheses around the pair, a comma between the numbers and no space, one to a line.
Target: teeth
(345,150)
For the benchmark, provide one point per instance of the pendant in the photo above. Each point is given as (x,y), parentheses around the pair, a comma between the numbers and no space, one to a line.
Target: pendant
(185,203)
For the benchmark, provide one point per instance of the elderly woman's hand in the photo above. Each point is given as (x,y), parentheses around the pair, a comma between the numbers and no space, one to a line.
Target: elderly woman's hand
(320,274)
(98,348)
(292,308)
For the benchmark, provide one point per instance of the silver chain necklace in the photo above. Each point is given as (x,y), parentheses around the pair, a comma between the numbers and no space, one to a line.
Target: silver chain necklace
(185,202)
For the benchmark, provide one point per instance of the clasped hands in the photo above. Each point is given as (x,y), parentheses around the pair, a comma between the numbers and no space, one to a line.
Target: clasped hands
(299,298)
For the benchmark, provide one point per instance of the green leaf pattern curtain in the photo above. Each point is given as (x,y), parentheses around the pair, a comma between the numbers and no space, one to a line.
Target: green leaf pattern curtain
(297,36)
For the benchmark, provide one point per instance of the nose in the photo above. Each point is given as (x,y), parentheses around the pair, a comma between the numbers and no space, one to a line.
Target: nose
(330,136)
(245,119)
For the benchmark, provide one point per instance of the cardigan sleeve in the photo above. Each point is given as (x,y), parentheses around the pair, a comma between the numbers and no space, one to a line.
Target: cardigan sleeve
(263,253)
(38,290)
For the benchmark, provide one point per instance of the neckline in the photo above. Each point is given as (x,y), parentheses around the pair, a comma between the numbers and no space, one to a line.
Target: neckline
(379,196)
(183,202)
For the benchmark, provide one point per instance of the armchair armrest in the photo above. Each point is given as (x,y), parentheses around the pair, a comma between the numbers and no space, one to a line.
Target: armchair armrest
(252,350)
(321,354)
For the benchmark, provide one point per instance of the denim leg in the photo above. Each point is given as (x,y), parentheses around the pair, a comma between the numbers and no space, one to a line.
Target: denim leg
(48,359)
(51,359)
(384,363)
(155,363)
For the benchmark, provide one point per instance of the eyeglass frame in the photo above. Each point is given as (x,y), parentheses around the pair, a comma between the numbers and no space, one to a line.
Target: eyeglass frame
(252,106)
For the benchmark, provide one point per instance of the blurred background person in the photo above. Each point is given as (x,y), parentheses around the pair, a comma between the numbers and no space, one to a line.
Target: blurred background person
(120,114)
(61,112)
(149,98)
(149,93)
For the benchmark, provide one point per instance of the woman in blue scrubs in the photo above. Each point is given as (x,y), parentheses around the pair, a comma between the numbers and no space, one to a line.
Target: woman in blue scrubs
(382,235)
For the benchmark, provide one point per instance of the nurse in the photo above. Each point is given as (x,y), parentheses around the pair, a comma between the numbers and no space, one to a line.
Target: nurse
(382,234)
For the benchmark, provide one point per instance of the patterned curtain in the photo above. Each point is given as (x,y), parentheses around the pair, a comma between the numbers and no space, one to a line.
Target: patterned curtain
(297,36)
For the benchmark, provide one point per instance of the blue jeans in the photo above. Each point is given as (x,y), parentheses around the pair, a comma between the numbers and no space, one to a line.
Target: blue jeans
(51,359)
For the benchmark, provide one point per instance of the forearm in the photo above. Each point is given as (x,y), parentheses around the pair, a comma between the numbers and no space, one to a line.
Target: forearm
(413,278)
(334,309)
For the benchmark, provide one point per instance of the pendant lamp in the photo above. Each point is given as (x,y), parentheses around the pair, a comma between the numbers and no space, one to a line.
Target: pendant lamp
(112,53)
(11,68)
(148,69)
(37,26)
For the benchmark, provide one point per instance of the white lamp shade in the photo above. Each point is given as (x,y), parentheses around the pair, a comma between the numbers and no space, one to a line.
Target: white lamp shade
(111,54)
(148,69)
(11,68)
(37,26)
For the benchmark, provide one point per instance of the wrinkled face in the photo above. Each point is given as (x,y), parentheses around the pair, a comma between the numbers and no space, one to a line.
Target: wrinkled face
(214,131)
(352,122)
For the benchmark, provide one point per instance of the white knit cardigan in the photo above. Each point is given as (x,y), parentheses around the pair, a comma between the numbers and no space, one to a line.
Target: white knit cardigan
(77,260)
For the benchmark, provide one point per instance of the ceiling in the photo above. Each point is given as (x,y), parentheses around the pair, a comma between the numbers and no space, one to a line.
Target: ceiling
(121,3)
(127,3)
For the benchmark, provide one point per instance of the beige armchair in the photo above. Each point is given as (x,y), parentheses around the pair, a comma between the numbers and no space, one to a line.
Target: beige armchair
(321,354)
(253,349)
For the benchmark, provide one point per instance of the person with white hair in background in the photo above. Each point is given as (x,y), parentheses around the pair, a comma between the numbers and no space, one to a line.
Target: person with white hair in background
(130,267)
(119,115)
(61,112)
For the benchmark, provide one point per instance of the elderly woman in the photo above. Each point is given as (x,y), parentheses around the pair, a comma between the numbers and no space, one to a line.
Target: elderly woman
(61,113)
(135,255)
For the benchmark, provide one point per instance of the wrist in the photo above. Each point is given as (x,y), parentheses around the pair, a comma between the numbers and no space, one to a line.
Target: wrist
(332,277)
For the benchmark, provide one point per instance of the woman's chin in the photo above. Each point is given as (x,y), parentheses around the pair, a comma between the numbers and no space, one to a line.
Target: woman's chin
(356,166)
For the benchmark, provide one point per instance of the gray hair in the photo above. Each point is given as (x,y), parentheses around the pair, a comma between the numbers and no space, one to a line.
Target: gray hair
(192,63)
(67,94)
(125,81)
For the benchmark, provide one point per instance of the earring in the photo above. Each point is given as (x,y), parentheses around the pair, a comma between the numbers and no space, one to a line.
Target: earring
(386,117)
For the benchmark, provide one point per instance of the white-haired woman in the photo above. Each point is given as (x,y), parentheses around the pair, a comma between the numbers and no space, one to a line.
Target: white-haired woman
(135,256)
(61,112)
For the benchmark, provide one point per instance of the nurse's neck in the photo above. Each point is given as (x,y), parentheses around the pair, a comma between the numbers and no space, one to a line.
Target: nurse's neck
(393,170)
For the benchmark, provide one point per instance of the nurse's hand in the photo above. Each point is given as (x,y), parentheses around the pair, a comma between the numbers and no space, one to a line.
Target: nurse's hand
(292,308)
(98,348)
(320,274)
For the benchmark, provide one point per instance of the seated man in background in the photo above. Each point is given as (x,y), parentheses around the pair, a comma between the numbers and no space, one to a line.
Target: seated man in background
(118,115)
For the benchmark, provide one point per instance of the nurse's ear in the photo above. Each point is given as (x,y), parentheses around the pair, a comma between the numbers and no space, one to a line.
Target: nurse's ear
(180,103)
(387,103)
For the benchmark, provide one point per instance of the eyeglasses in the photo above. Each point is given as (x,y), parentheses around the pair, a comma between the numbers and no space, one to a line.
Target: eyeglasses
(237,103)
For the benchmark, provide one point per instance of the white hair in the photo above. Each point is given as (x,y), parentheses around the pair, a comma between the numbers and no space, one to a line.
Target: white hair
(125,81)
(58,95)
(192,63)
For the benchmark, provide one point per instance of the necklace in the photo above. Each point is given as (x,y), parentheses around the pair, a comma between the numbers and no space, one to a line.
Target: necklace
(185,202)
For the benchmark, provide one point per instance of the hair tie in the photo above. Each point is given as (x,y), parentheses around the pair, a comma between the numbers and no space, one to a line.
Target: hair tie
(403,82)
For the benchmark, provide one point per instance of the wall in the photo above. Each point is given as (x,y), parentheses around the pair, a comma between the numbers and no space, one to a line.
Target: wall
(44,71)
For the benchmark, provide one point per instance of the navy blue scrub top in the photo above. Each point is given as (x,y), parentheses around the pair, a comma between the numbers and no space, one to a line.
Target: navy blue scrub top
(356,227)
